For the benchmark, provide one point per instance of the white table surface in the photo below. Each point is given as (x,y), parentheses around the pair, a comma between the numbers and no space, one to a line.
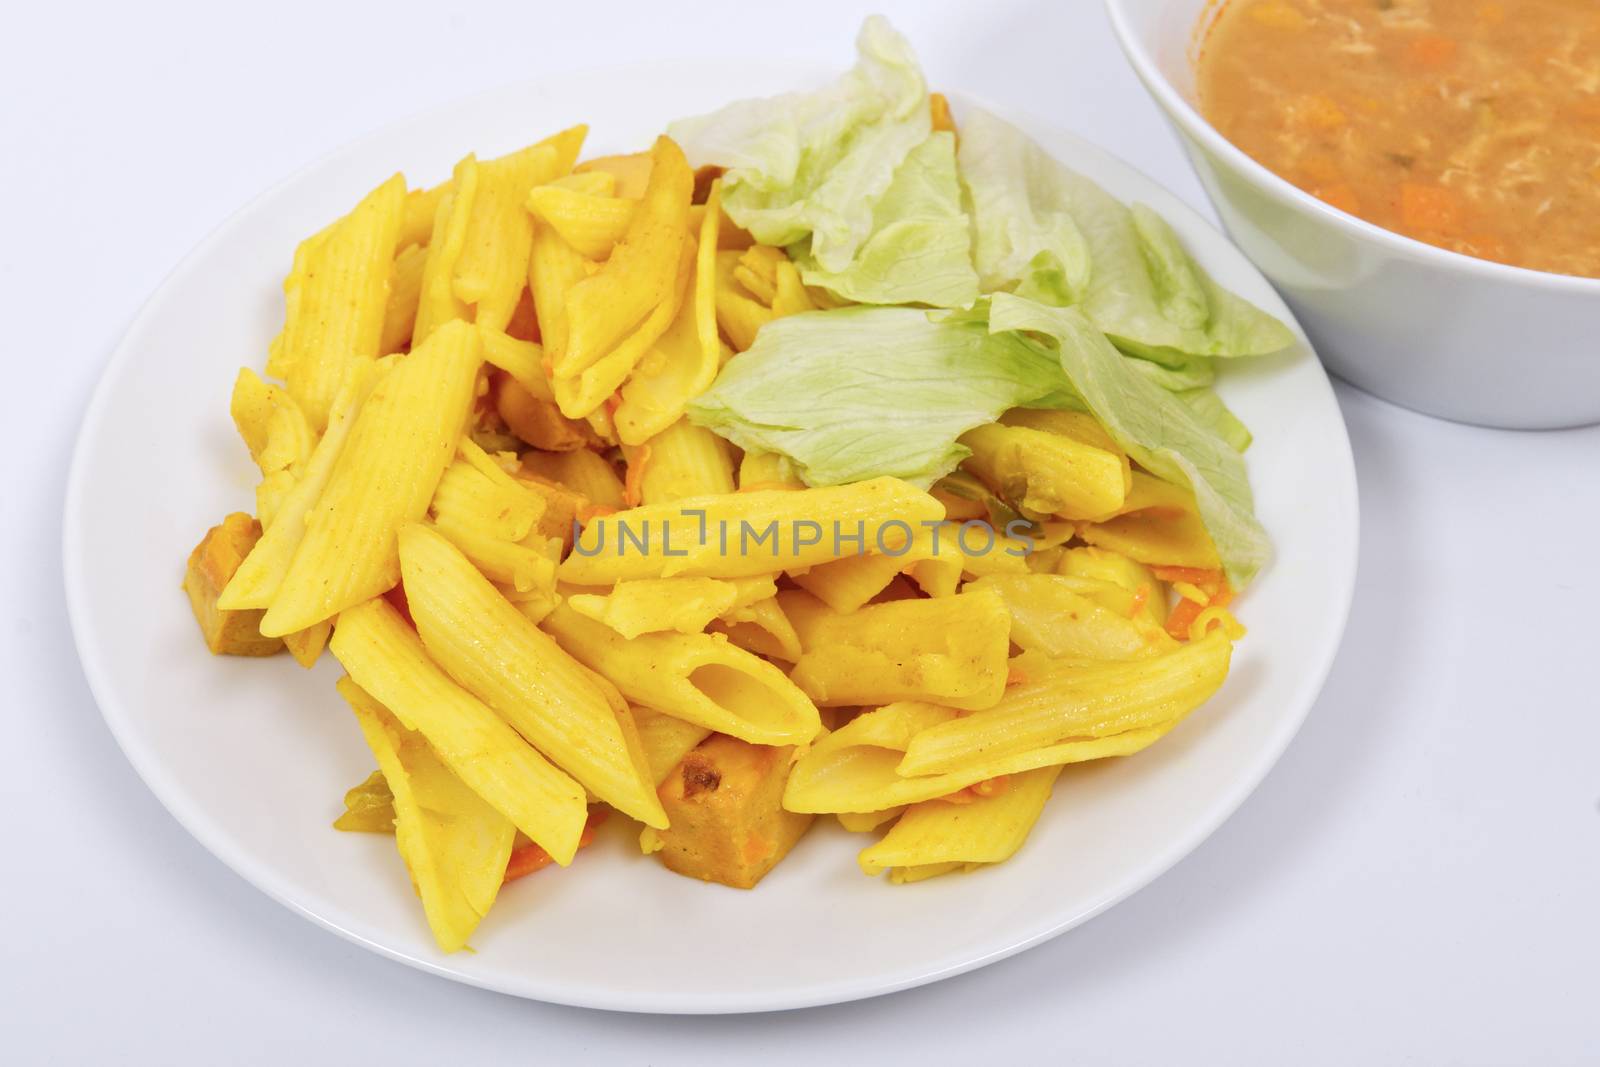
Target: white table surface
(1417,882)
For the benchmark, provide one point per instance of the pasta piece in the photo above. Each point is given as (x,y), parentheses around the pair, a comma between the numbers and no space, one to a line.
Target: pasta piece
(684,362)
(336,295)
(739,315)
(581,393)
(641,274)
(666,740)
(988,830)
(522,360)
(1066,699)
(1149,595)
(383,478)
(437,303)
(951,650)
(490,272)
(864,822)
(1046,473)
(400,314)
(1156,539)
(630,174)
(386,658)
(455,845)
(587,473)
(306,645)
(590,222)
(761,628)
(504,660)
(554,267)
(492,518)
(744,534)
(699,677)
(767,470)
(684,461)
(847,584)
(259,577)
(853,769)
(416,215)
(369,806)
(278,435)
(1049,616)
(687,605)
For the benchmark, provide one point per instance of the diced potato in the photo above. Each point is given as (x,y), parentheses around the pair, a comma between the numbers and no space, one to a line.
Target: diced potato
(724,801)
(211,565)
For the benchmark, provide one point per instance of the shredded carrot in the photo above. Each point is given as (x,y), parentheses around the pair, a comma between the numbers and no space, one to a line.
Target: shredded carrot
(594,511)
(549,365)
(1429,208)
(1201,576)
(1431,50)
(1182,615)
(613,402)
(530,857)
(633,481)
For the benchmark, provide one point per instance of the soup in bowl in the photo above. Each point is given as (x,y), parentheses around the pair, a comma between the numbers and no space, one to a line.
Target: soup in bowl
(1419,178)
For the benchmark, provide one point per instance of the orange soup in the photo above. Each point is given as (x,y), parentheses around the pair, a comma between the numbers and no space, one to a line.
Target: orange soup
(1473,125)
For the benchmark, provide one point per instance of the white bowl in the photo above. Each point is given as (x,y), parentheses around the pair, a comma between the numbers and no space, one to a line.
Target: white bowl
(1436,331)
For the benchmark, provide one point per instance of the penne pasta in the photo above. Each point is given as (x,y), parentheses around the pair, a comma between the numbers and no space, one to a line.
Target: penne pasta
(699,677)
(386,658)
(1047,473)
(522,360)
(260,576)
(750,533)
(683,461)
(1049,616)
(437,302)
(416,216)
(951,650)
(490,272)
(1074,699)
(384,477)
(847,584)
(864,822)
(454,844)
(761,628)
(988,829)
(666,740)
(854,769)
(499,656)
(686,605)
(405,292)
(586,473)
(684,362)
(641,274)
(590,222)
(554,267)
(336,295)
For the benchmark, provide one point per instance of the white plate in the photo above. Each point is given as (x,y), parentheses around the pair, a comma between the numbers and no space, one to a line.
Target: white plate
(253,756)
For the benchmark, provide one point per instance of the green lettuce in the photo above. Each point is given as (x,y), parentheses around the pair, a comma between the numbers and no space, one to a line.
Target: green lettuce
(817,163)
(863,392)
(1158,429)
(1123,267)
(919,251)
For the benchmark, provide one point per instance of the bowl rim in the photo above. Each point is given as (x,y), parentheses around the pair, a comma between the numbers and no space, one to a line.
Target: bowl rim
(1178,107)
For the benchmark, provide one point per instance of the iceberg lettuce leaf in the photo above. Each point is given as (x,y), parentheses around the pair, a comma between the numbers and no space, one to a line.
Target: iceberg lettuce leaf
(816,163)
(863,392)
(1157,428)
(919,251)
(1128,273)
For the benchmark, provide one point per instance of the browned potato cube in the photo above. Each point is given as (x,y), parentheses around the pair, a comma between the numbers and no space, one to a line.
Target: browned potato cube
(211,566)
(725,804)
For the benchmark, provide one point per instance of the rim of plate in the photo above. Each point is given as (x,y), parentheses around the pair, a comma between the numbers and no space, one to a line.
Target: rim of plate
(216,839)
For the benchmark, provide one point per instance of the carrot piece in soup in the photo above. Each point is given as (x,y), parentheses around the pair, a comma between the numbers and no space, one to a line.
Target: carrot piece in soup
(1429,208)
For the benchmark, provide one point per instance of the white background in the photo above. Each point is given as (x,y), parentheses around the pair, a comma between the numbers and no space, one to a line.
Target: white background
(1417,882)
